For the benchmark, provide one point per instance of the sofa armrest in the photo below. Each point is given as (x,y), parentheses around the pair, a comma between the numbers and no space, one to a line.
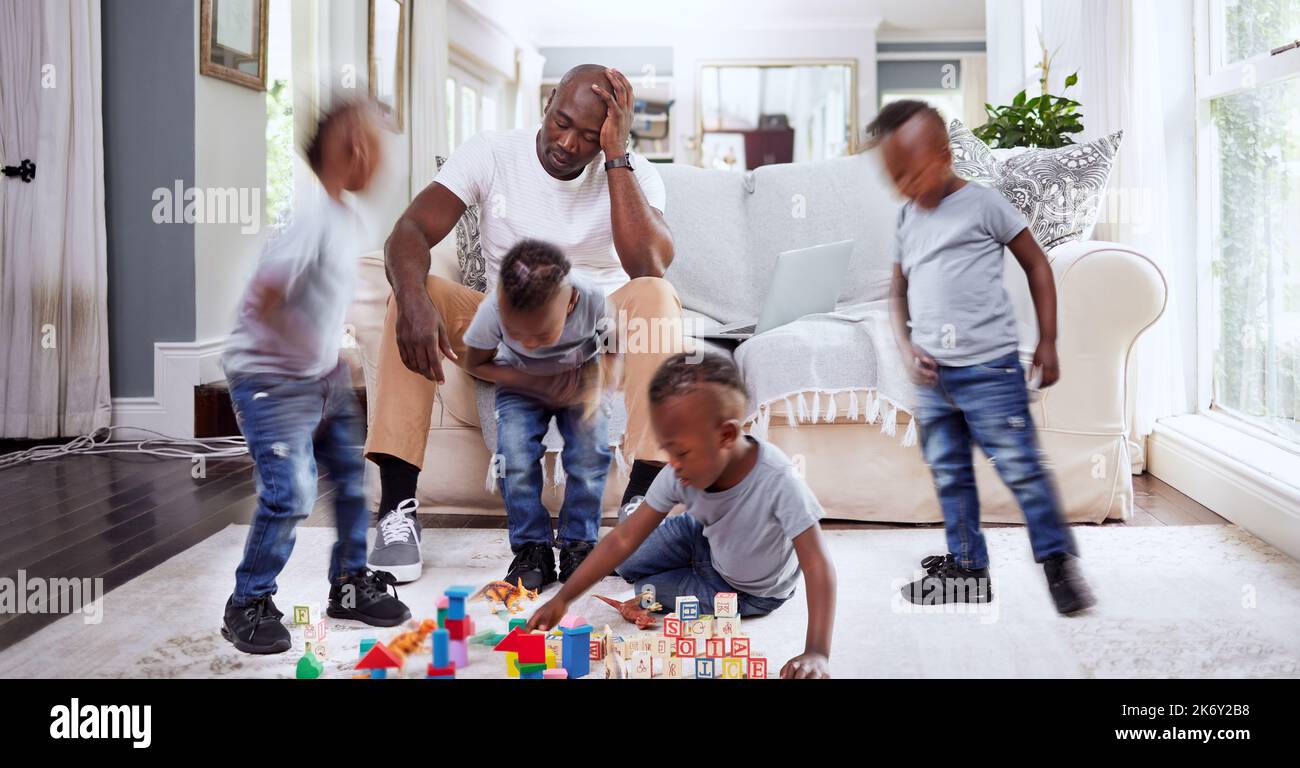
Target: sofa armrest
(1107,294)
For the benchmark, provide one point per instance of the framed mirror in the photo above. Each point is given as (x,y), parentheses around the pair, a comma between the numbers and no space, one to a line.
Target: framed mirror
(232,41)
(755,113)
(387,55)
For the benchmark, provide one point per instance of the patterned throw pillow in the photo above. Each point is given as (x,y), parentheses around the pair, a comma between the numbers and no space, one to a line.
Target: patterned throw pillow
(469,251)
(1059,191)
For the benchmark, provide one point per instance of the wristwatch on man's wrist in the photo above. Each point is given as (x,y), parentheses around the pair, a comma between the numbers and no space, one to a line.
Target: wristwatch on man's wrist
(620,162)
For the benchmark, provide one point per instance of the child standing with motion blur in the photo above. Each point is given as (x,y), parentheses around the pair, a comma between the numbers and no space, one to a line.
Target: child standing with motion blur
(537,336)
(293,398)
(956,329)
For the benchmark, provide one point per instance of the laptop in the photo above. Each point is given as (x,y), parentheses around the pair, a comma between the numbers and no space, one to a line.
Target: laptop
(805,282)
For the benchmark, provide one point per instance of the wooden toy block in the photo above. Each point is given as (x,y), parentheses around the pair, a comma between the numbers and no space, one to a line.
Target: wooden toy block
(306,613)
(672,625)
(710,628)
(704,668)
(531,646)
(441,648)
(458,628)
(441,607)
(597,650)
(740,646)
(725,605)
(732,668)
(309,666)
(642,667)
(512,664)
(380,660)
(322,652)
(726,627)
(715,646)
(674,668)
(573,621)
(662,647)
(577,649)
(556,674)
(441,673)
(757,668)
(551,659)
(688,608)
(694,628)
(555,645)
(458,650)
(456,597)
(686,647)
(532,671)
(518,621)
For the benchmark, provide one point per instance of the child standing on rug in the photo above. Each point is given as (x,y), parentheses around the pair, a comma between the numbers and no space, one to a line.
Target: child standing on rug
(538,337)
(750,525)
(293,397)
(956,329)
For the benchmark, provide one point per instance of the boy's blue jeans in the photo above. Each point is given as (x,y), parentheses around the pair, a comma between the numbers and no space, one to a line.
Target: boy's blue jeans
(290,424)
(989,405)
(521,424)
(676,559)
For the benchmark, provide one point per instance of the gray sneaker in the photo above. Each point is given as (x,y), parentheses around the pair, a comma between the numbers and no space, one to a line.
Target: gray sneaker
(397,544)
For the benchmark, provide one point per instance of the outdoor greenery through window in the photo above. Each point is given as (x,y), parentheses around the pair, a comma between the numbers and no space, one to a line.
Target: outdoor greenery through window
(1256,254)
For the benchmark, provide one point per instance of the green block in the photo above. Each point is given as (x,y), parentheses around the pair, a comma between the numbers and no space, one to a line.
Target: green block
(309,667)
(442,618)
(517,622)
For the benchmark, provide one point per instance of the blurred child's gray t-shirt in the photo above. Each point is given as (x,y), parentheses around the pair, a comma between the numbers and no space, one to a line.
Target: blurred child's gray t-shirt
(578,343)
(752,525)
(952,259)
(313,265)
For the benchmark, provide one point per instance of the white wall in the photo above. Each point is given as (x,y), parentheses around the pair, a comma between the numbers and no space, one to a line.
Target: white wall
(230,151)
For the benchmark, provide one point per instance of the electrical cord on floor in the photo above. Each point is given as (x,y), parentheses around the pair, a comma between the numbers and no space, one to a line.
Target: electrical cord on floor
(101,442)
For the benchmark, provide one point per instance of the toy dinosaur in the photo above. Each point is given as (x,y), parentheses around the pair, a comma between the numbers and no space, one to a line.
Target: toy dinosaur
(411,641)
(631,611)
(501,593)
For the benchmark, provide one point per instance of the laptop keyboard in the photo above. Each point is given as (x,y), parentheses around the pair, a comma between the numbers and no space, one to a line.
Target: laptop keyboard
(749,329)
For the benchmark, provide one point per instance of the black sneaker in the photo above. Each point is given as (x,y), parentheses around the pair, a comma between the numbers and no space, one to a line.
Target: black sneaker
(364,597)
(572,553)
(1069,590)
(534,565)
(947,582)
(256,627)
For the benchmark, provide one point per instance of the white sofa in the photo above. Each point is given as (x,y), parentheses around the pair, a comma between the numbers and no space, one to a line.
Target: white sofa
(727,227)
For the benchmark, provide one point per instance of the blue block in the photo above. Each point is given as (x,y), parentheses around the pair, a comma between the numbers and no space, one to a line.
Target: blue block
(575,650)
(703,669)
(535,674)
(456,597)
(441,637)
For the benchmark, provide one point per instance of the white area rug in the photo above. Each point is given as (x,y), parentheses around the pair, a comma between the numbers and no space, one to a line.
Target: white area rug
(1193,601)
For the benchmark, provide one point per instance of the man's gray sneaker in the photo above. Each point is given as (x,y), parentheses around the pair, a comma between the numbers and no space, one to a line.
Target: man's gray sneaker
(397,544)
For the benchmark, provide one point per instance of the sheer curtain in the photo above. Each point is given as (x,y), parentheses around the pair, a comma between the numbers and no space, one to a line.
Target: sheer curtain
(53,266)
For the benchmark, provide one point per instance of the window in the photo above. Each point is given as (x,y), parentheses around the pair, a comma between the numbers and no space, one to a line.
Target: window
(471,104)
(1249,201)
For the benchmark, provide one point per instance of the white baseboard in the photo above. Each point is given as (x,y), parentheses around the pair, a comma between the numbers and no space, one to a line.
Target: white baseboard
(178,367)
(1185,454)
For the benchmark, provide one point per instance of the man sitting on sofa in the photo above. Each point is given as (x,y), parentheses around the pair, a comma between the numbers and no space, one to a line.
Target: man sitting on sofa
(545,184)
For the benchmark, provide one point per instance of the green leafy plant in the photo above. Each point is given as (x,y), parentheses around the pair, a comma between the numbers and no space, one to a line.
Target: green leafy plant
(1043,121)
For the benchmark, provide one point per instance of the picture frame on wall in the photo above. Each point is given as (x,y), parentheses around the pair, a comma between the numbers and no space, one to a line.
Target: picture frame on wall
(387,57)
(232,41)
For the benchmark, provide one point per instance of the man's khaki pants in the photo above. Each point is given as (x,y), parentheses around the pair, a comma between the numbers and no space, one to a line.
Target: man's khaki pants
(649,315)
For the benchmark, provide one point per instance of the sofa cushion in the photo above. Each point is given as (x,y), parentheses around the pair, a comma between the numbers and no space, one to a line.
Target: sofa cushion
(469,250)
(729,227)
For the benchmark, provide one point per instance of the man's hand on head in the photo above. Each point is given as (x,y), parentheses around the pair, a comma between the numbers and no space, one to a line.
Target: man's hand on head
(617,127)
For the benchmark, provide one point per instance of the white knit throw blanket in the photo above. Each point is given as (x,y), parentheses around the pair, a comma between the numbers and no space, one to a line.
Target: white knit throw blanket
(842,364)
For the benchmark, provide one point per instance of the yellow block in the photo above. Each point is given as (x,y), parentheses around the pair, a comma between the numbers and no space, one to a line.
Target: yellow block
(512,664)
(550,659)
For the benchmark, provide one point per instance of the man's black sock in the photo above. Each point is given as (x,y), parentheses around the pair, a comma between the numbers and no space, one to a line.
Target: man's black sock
(397,481)
(638,484)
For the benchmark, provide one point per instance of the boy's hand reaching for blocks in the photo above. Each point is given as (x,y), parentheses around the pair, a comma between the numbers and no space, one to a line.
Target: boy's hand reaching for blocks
(548,616)
(807,666)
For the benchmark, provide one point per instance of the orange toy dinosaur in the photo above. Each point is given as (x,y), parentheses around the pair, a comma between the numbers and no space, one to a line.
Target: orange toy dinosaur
(501,593)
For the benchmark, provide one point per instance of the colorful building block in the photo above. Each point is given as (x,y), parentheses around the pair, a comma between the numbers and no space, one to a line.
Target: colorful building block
(757,668)
(379,660)
(456,596)
(512,664)
(662,647)
(731,668)
(440,640)
(518,621)
(306,614)
(441,673)
(642,667)
(696,628)
(674,668)
(715,646)
(458,651)
(688,608)
(531,646)
(686,647)
(672,625)
(740,646)
(726,626)
(576,640)
(309,666)
(559,673)
(441,606)
(597,650)
(704,668)
(725,605)
(532,671)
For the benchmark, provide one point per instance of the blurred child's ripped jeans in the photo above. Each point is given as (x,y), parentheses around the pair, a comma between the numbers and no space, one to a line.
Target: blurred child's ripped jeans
(987,404)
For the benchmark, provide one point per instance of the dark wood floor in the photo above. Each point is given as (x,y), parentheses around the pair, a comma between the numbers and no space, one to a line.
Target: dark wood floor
(115,517)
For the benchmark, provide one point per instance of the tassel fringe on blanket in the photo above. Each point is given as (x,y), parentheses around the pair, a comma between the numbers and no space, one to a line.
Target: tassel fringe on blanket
(863,404)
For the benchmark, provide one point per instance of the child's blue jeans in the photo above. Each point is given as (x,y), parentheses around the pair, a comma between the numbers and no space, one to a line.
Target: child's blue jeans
(987,404)
(521,424)
(676,559)
(290,424)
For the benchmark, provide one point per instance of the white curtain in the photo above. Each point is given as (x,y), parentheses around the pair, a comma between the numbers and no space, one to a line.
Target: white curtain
(428,90)
(1117,48)
(53,266)
(974,90)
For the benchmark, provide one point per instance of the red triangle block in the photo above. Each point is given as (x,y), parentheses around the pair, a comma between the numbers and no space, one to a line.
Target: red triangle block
(531,647)
(378,657)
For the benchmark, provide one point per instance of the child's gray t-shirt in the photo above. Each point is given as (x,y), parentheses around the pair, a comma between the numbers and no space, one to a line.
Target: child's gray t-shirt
(952,259)
(752,525)
(313,266)
(578,343)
